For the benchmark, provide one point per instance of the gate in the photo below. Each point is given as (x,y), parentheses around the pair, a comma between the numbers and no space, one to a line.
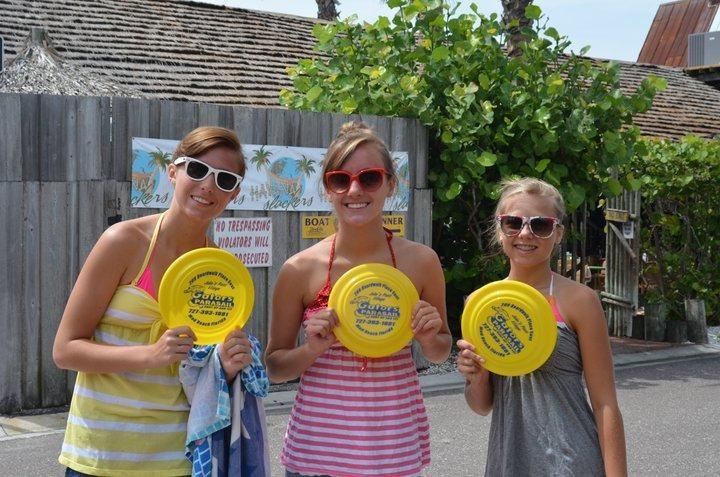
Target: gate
(620,296)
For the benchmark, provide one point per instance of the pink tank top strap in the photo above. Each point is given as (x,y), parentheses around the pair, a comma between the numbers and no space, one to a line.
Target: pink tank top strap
(144,279)
(553,304)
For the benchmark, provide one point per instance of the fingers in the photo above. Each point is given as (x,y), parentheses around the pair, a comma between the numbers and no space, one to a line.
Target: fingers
(469,363)
(425,318)
(182,331)
(321,323)
(237,333)
(462,344)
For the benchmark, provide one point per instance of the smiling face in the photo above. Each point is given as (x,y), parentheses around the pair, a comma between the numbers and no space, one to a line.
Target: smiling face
(525,249)
(203,200)
(358,206)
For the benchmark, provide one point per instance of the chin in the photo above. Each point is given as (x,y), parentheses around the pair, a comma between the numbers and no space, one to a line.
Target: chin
(358,221)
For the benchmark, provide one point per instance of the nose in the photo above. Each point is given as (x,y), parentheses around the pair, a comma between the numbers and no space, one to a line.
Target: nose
(355,187)
(525,230)
(209,182)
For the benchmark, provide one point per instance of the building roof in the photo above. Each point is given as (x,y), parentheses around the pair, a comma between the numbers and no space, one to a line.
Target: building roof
(667,41)
(687,106)
(39,69)
(170,49)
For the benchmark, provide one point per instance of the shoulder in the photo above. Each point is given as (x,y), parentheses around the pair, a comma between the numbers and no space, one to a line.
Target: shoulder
(414,250)
(579,302)
(576,293)
(128,237)
(309,259)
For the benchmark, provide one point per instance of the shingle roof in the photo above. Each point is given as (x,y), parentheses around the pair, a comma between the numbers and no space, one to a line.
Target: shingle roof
(206,53)
(39,69)
(687,106)
(169,49)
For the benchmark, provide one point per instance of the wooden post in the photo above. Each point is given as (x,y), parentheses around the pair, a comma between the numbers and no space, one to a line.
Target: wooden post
(655,316)
(696,321)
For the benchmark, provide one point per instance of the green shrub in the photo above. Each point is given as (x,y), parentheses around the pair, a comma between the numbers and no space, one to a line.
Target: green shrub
(545,113)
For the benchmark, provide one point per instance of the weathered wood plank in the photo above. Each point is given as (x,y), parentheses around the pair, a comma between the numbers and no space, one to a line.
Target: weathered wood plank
(89,141)
(422,155)
(11,163)
(30,136)
(11,292)
(70,131)
(53,123)
(54,285)
(177,118)
(91,217)
(208,115)
(422,224)
(250,124)
(30,314)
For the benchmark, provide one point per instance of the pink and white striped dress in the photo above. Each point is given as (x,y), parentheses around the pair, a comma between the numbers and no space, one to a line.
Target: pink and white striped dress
(356,416)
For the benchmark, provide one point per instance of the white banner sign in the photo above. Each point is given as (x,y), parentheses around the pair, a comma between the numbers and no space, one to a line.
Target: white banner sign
(249,239)
(277,178)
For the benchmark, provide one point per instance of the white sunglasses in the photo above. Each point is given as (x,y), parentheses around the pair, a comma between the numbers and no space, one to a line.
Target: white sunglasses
(197,170)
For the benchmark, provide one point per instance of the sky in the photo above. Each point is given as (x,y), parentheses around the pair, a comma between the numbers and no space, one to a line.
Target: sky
(614,29)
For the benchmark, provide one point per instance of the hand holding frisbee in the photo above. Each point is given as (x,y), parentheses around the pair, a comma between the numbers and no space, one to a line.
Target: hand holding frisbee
(511,326)
(374,304)
(209,290)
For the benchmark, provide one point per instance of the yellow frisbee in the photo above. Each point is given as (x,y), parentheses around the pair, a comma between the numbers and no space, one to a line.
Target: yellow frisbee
(209,290)
(374,304)
(511,325)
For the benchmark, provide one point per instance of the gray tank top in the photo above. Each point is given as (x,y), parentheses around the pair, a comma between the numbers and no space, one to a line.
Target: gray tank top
(542,423)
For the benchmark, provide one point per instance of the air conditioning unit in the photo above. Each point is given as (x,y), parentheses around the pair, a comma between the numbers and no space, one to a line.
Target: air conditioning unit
(704,49)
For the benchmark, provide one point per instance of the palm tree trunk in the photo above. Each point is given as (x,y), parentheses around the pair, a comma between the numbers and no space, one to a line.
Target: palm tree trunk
(327,10)
(515,10)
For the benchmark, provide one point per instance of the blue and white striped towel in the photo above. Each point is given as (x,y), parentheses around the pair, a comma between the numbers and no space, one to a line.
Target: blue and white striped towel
(226,427)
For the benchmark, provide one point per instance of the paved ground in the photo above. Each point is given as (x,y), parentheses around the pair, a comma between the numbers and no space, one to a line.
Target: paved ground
(668,395)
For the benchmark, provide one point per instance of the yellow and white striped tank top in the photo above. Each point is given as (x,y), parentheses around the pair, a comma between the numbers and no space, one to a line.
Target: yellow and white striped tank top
(134,423)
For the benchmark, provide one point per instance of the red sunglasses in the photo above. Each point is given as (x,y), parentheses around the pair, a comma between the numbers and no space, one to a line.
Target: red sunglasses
(370,180)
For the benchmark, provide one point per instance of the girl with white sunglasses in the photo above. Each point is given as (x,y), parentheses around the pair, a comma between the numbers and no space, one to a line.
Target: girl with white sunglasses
(128,412)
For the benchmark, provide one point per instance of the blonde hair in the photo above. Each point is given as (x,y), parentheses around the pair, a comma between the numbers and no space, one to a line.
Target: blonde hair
(206,138)
(351,136)
(526,185)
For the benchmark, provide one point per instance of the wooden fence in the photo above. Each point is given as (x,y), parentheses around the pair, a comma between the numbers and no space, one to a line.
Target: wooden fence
(65,166)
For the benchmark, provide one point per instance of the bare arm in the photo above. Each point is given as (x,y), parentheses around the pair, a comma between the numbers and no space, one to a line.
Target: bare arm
(429,322)
(285,360)
(600,378)
(478,386)
(93,290)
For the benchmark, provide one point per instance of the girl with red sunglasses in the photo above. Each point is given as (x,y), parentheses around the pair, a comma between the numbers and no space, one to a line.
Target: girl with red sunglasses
(542,423)
(354,416)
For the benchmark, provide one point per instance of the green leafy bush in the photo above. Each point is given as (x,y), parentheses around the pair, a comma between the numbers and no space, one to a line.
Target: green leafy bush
(544,113)
(681,222)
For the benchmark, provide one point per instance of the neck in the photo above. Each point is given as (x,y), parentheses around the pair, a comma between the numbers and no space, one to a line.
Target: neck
(181,233)
(536,277)
(356,243)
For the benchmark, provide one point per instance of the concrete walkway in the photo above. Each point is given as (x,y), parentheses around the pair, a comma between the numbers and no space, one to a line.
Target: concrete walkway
(626,353)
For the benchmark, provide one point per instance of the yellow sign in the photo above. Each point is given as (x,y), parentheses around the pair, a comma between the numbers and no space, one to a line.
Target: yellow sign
(395,223)
(317,226)
(617,215)
(321,226)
